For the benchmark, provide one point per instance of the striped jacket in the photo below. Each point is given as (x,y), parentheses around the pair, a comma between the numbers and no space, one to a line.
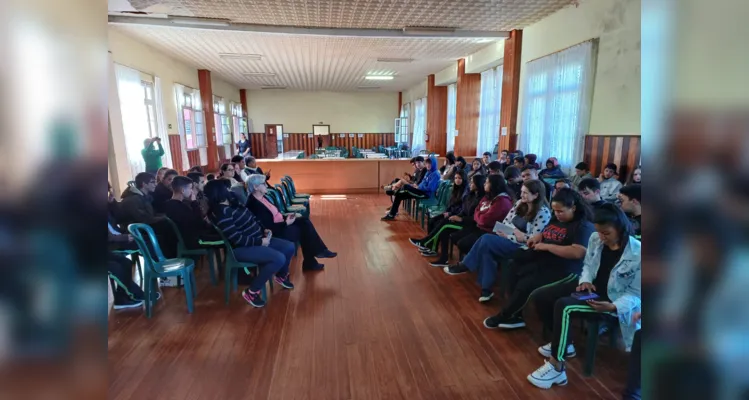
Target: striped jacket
(239,225)
(624,282)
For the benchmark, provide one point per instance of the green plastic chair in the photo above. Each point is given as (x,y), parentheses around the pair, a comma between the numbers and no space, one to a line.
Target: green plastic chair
(314,157)
(157,266)
(231,270)
(135,256)
(184,252)
(293,189)
(421,204)
(443,201)
(291,208)
(439,201)
(300,156)
(294,200)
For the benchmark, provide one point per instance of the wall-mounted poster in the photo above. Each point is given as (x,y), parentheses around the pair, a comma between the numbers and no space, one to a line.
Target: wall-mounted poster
(286,135)
(350,135)
(321,130)
(361,135)
(343,135)
(310,136)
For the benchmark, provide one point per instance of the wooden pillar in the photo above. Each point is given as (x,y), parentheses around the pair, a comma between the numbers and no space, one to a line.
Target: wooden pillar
(508,116)
(243,100)
(206,96)
(436,117)
(467,111)
(400,103)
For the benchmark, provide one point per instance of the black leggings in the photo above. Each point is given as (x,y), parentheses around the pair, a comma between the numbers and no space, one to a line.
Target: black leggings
(304,232)
(120,271)
(531,280)
(408,192)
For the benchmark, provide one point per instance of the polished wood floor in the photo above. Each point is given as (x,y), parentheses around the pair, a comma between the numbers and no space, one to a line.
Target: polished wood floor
(378,323)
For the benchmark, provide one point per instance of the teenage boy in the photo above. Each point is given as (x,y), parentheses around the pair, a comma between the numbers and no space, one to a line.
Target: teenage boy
(425,189)
(486,158)
(504,160)
(630,196)
(163,191)
(495,168)
(609,184)
(529,173)
(582,171)
(187,218)
(590,189)
(136,206)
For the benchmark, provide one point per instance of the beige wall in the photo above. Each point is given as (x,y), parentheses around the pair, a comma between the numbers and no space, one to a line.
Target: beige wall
(616,96)
(486,58)
(369,112)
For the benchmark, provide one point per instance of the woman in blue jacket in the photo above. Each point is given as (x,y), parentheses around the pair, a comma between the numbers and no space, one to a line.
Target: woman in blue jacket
(426,189)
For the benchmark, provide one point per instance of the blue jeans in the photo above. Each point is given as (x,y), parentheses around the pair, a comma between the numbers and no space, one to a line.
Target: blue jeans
(485,255)
(274,259)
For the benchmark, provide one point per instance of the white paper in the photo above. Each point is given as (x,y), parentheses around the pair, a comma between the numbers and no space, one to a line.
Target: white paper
(310,135)
(504,131)
(500,227)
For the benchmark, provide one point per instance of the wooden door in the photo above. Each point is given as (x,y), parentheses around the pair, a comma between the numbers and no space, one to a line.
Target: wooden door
(271,141)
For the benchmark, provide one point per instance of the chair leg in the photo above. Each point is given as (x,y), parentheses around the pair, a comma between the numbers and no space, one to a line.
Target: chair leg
(194,284)
(188,279)
(212,265)
(590,348)
(147,291)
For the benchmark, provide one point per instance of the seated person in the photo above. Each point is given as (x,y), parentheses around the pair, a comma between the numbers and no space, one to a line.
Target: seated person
(240,167)
(562,184)
(163,191)
(582,171)
(629,197)
(199,181)
(448,166)
(464,219)
(251,168)
(454,207)
(590,189)
(494,207)
(461,163)
(408,179)
(250,241)
(530,173)
(196,168)
(192,226)
(118,237)
(554,256)
(611,271)
(495,168)
(632,391)
(528,217)
(292,227)
(519,163)
(230,173)
(636,176)
(514,179)
(486,158)
(126,293)
(609,184)
(530,159)
(552,169)
(504,160)
(160,174)
(210,177)
(425,190)
(136,202)
(477,168)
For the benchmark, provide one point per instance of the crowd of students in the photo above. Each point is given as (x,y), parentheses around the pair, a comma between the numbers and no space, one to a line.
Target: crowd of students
(232,201)
(572,248)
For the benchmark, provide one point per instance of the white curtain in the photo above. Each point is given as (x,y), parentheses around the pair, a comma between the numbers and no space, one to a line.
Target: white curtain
(161,122)
(452,103)
(179,92)
(420,125)
(556,105)
(489,104)
(134,115)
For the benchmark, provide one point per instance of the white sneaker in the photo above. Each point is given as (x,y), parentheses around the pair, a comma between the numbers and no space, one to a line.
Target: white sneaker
(545,350)
(547,376)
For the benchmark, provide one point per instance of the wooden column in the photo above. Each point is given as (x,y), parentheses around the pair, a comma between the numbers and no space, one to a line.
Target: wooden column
(467,111)
(243,100)
(508,116)
(400,103)
(206,96)
(436,117)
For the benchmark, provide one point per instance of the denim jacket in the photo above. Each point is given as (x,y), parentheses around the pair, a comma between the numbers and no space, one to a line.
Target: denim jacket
(624,282)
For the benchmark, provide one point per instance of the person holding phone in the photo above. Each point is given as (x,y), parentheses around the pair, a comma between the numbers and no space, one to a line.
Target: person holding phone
(250,241)
(152,156)
(609,287)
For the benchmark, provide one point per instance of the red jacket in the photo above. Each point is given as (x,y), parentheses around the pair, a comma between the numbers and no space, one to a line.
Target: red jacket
(490,211)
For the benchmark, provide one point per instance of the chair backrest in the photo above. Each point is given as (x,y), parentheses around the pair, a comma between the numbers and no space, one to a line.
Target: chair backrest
(284,197)
(144,236)
(314,157)
(287,189)
(180,241)
(300,156)
(131,184)
(444,198)
(227,246)
(279,202)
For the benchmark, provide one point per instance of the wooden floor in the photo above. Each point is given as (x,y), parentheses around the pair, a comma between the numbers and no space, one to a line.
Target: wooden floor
(377,323)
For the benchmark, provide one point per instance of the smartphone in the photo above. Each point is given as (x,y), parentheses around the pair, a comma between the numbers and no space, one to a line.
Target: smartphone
(269,235)
(585,295)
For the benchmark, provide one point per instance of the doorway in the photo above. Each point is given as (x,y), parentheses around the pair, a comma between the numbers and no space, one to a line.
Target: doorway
(273,140)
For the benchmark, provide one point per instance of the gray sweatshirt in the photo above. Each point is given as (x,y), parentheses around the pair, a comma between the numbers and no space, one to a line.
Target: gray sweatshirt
(610,189)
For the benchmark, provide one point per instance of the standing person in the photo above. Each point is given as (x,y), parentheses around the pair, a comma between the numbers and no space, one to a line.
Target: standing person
(152,155)
(528,217)
(552,170)
(555,256)
(582,171)
(630,198)
(425,190)
(250,241)
(243,146)
(163,191)
(486,158)
(590,189)
(609,184)
(611,271)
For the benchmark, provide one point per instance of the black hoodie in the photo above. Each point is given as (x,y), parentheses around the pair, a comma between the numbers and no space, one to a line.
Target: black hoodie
(136,207)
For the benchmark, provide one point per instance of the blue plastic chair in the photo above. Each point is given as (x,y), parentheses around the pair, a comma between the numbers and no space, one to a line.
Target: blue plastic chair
(184,252)
(293,189)
(135,256)
(157,266)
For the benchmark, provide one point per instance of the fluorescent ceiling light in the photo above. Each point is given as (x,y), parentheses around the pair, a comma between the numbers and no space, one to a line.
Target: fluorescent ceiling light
(379,77)
(199,21)
(258,74)
(426,31)
(273,87)
(368,87)
(394,60)
(234,56)
(485,40)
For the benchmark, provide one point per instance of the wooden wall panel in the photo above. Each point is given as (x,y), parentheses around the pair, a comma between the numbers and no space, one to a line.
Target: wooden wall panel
(508,115)
(367,141)
(175,148)
(257,141)
(301,141)
(467,117)
(436,117)
(624,151)
(206,97)
(193,158)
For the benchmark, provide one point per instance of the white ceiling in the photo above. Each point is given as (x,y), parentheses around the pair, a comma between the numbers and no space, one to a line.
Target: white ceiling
(334,63)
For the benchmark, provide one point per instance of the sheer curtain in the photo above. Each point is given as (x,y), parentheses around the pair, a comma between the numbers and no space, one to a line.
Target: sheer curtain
(179,93)
(488,134)
(134,115)
(452,103)
(161,122)
(420,125)
(556,105)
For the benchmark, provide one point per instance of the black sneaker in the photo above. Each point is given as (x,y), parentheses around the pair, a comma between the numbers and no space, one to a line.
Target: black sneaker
(387,217)
(327,254)
(429,253)
(439,263)
(129,303)
(486,295)
(317,267)
(512,323)
(254,298)
(416,242)
(494,321)
(284,281)
(455,269)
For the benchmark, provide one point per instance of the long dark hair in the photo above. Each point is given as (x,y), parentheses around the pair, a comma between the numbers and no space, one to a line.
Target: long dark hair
(450,158)
(498,186)
(479,181)
(457,194)
(611,215)
(569,198)
(529,211)
(461,160)
(216,192)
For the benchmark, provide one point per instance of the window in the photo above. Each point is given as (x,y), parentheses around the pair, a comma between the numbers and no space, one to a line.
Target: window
(401,126)
(191,116)
(419,138)
(556,105)
(150,103)
(452,105)
(489,109)
(239,123)
(221,121)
